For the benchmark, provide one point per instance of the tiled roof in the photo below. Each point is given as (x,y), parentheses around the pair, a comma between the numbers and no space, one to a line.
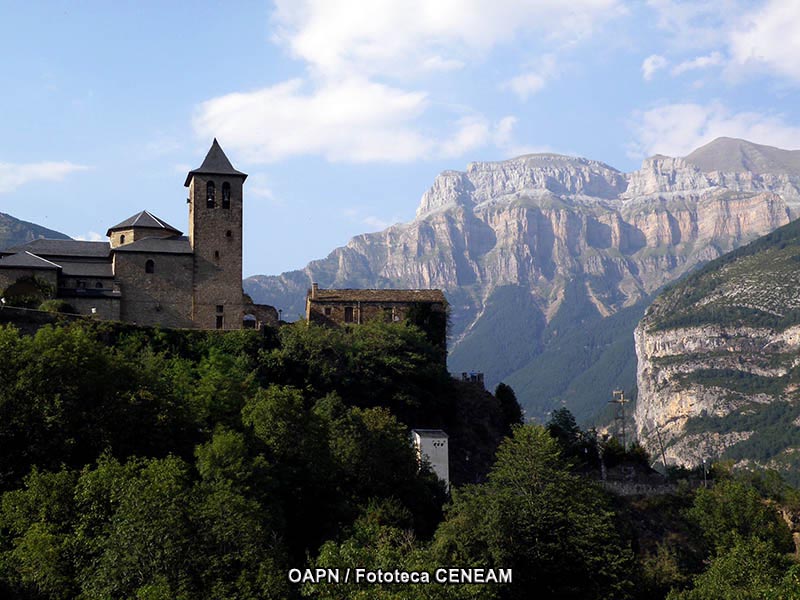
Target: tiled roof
(215,163)
(87,269)
(384,295)
(143,219)
(26,260)
(57,248)
(170,245)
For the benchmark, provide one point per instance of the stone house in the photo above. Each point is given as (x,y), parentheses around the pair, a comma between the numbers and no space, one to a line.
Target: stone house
(426,308)
(148,272)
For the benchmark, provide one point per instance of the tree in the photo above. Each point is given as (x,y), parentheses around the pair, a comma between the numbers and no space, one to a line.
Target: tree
(733,510)
(552,527)
(509,406)
(38,517)
(749,570)
(563,427)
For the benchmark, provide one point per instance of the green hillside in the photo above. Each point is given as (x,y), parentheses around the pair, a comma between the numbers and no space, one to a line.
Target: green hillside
(14,232)
(576,360)
(756,285)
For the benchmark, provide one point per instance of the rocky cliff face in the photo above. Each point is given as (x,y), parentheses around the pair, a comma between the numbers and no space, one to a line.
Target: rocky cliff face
(517,243)
(719,360)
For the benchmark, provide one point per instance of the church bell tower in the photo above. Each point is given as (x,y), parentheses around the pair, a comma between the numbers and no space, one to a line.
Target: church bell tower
(215,234)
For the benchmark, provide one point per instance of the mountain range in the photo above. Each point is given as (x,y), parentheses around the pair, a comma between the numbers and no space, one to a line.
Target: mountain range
(549,261)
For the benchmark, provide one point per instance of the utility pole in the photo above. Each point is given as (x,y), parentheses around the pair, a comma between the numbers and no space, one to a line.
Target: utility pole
(619,399)
(661,445)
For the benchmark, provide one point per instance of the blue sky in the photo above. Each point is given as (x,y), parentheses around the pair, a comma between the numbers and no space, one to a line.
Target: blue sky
(343,111)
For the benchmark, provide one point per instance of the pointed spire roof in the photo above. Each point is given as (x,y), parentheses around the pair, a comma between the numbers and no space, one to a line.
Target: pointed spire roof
(215,163)
(143,219)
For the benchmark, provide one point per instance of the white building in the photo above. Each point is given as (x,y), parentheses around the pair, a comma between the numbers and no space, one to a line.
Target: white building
(431,445)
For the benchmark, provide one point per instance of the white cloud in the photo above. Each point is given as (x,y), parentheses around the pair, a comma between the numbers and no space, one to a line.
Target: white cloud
(377,223)
(344,109)
(353,120)
(503,138)
(473,132)
(258,186)
(91,236)
(504,131)
(342,37)
(526,84)
(374,222)
(651,64)
(768,37)
(701,62)
(692,24)
(161,146)
(533,80)
(677,129)
(13,175)
(745,36)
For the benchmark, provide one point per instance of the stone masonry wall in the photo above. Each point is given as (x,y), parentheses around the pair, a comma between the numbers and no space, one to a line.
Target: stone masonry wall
(216,238)
(362,311)
(9,276)
(137,233)
(162,297)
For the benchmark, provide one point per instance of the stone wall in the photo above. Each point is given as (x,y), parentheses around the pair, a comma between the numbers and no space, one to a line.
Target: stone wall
(126,236)
(335,312)
(263,313)
(160,298)
(216,238)
(10,275)
(108,308)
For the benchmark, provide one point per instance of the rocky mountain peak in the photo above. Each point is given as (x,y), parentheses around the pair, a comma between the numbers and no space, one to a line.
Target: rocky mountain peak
(662,174)
(563,176)
(732,155)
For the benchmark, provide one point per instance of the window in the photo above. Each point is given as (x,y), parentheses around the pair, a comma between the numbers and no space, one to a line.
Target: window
(226,195)
(220,321)
(122,239)
(81,284)
(220,308)
(216,254)
(348,314)
(327,311)
(99,285)
(388,314)
(211,195)
(149,266)
(229,233)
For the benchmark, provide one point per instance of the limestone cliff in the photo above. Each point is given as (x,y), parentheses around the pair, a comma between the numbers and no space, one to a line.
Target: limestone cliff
(535,248)
(719,359)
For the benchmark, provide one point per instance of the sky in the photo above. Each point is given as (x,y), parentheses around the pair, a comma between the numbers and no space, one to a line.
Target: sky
(343,112)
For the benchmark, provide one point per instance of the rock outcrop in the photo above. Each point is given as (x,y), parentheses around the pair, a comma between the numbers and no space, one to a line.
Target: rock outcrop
(521,241)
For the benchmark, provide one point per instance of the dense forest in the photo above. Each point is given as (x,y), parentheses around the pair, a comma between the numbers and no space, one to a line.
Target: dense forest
(156,464)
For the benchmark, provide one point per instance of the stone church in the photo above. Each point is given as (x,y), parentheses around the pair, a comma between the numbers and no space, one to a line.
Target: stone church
(148,272)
